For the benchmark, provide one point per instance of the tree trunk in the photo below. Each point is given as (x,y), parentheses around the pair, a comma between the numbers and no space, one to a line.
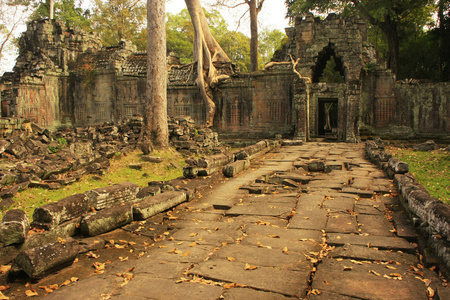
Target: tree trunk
(155,129)
(253,35)
(206,51)
(389,27)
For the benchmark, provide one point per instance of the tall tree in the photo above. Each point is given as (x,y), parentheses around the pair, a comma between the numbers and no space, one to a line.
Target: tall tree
(155,130)
(65,10)
(180,34)
(255,7)
(207,51)
(387,15)
(115,20)
(444,39)
(12,14)
(269,42)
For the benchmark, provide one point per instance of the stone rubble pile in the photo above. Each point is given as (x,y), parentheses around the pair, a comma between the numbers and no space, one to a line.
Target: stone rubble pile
(431,216)
(36,157)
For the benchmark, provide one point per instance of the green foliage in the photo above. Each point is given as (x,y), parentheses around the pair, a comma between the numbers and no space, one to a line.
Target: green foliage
(116,20)
(268,42)
(370,67)
(430,168)
(180,36)
(65,10)
(331,74)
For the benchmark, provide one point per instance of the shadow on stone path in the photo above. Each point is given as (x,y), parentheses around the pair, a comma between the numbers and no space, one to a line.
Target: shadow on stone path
(275,231)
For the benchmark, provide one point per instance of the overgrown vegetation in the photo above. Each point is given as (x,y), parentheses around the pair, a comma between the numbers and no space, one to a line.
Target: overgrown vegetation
(118,172)
(430,168)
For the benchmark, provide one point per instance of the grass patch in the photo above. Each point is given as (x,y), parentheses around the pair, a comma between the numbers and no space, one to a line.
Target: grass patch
(170,168)
(430,168)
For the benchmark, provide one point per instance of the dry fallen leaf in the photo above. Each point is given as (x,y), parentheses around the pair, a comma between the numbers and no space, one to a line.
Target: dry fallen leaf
(348,268)
(231,258)
(229,285)
(46,289)
(99,267)
(4,287)
(4,269)
(193,244)
(375,273)
(67,282)
(123,258)
(430,292)
(186,253)
(285,250)
(93,255)
(248,267)
(31,293)
(3,297)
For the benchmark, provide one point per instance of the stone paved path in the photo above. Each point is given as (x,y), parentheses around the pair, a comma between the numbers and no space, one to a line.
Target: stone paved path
(276,231)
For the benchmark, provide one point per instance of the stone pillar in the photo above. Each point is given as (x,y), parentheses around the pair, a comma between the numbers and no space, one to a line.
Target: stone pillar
(301,104)
(52,5)
(353,96)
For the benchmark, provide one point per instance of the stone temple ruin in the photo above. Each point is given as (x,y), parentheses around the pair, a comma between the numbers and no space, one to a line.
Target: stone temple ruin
(65,78)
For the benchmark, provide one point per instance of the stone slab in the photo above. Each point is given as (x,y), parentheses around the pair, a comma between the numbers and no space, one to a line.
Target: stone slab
(375,209)
(248,293)
(265,257)
(338,204)
(373,254)
(375,225)
(176,252)
(261,209)
(287,282)
(342,222)
(360,281)
(299,246)
(289,233)
(206,236)
(144,287)
(382,242)
(313,219)
(360,193)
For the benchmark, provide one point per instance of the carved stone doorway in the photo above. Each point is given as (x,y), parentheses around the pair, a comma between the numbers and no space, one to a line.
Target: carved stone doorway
(328,117)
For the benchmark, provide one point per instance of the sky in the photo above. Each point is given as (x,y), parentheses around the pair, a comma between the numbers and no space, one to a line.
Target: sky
(271,17)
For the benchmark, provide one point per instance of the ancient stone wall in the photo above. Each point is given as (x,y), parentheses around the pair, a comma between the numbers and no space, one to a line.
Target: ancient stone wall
(66,78)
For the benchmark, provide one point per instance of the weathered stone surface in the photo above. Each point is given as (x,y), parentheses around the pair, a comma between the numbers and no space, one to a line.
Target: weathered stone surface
(214,160)
(106,220)
(66,229)
(152,159)
(14,227)
(316,166)
(375,225)
(112,195)
(153,205)
(247,293)
(361,282)
(151,190)
(63,210)
(314,219)
(190,172)
(382,242)
(439,219)
(261,209)
(38,262)
(264,257)
(287,282)
(143,286)
(235,168)
(365,253)
(342,222)
(426,146)
(398,166)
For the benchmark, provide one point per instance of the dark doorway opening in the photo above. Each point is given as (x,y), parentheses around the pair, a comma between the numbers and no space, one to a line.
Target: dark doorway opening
(328,117)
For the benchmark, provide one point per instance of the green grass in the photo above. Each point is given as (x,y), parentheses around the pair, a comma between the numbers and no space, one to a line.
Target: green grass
(430,168)
(118,172)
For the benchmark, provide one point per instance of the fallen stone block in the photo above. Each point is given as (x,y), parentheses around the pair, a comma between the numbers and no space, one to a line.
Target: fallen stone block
(135,166)
(40,261)
(190,172)
(316,166)
(14,227)
(153,205)
(10,191)
(45,185)
(106,220)
(235,168)
(153,159)
(215,160)
(398,166)
(65,209)
(151,190)
(66,229)
(208,171)
(111,195)
(427,146)
(292,142)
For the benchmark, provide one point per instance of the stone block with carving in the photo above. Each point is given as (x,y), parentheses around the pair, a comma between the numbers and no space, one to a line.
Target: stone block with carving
(112,195)
(14,227)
